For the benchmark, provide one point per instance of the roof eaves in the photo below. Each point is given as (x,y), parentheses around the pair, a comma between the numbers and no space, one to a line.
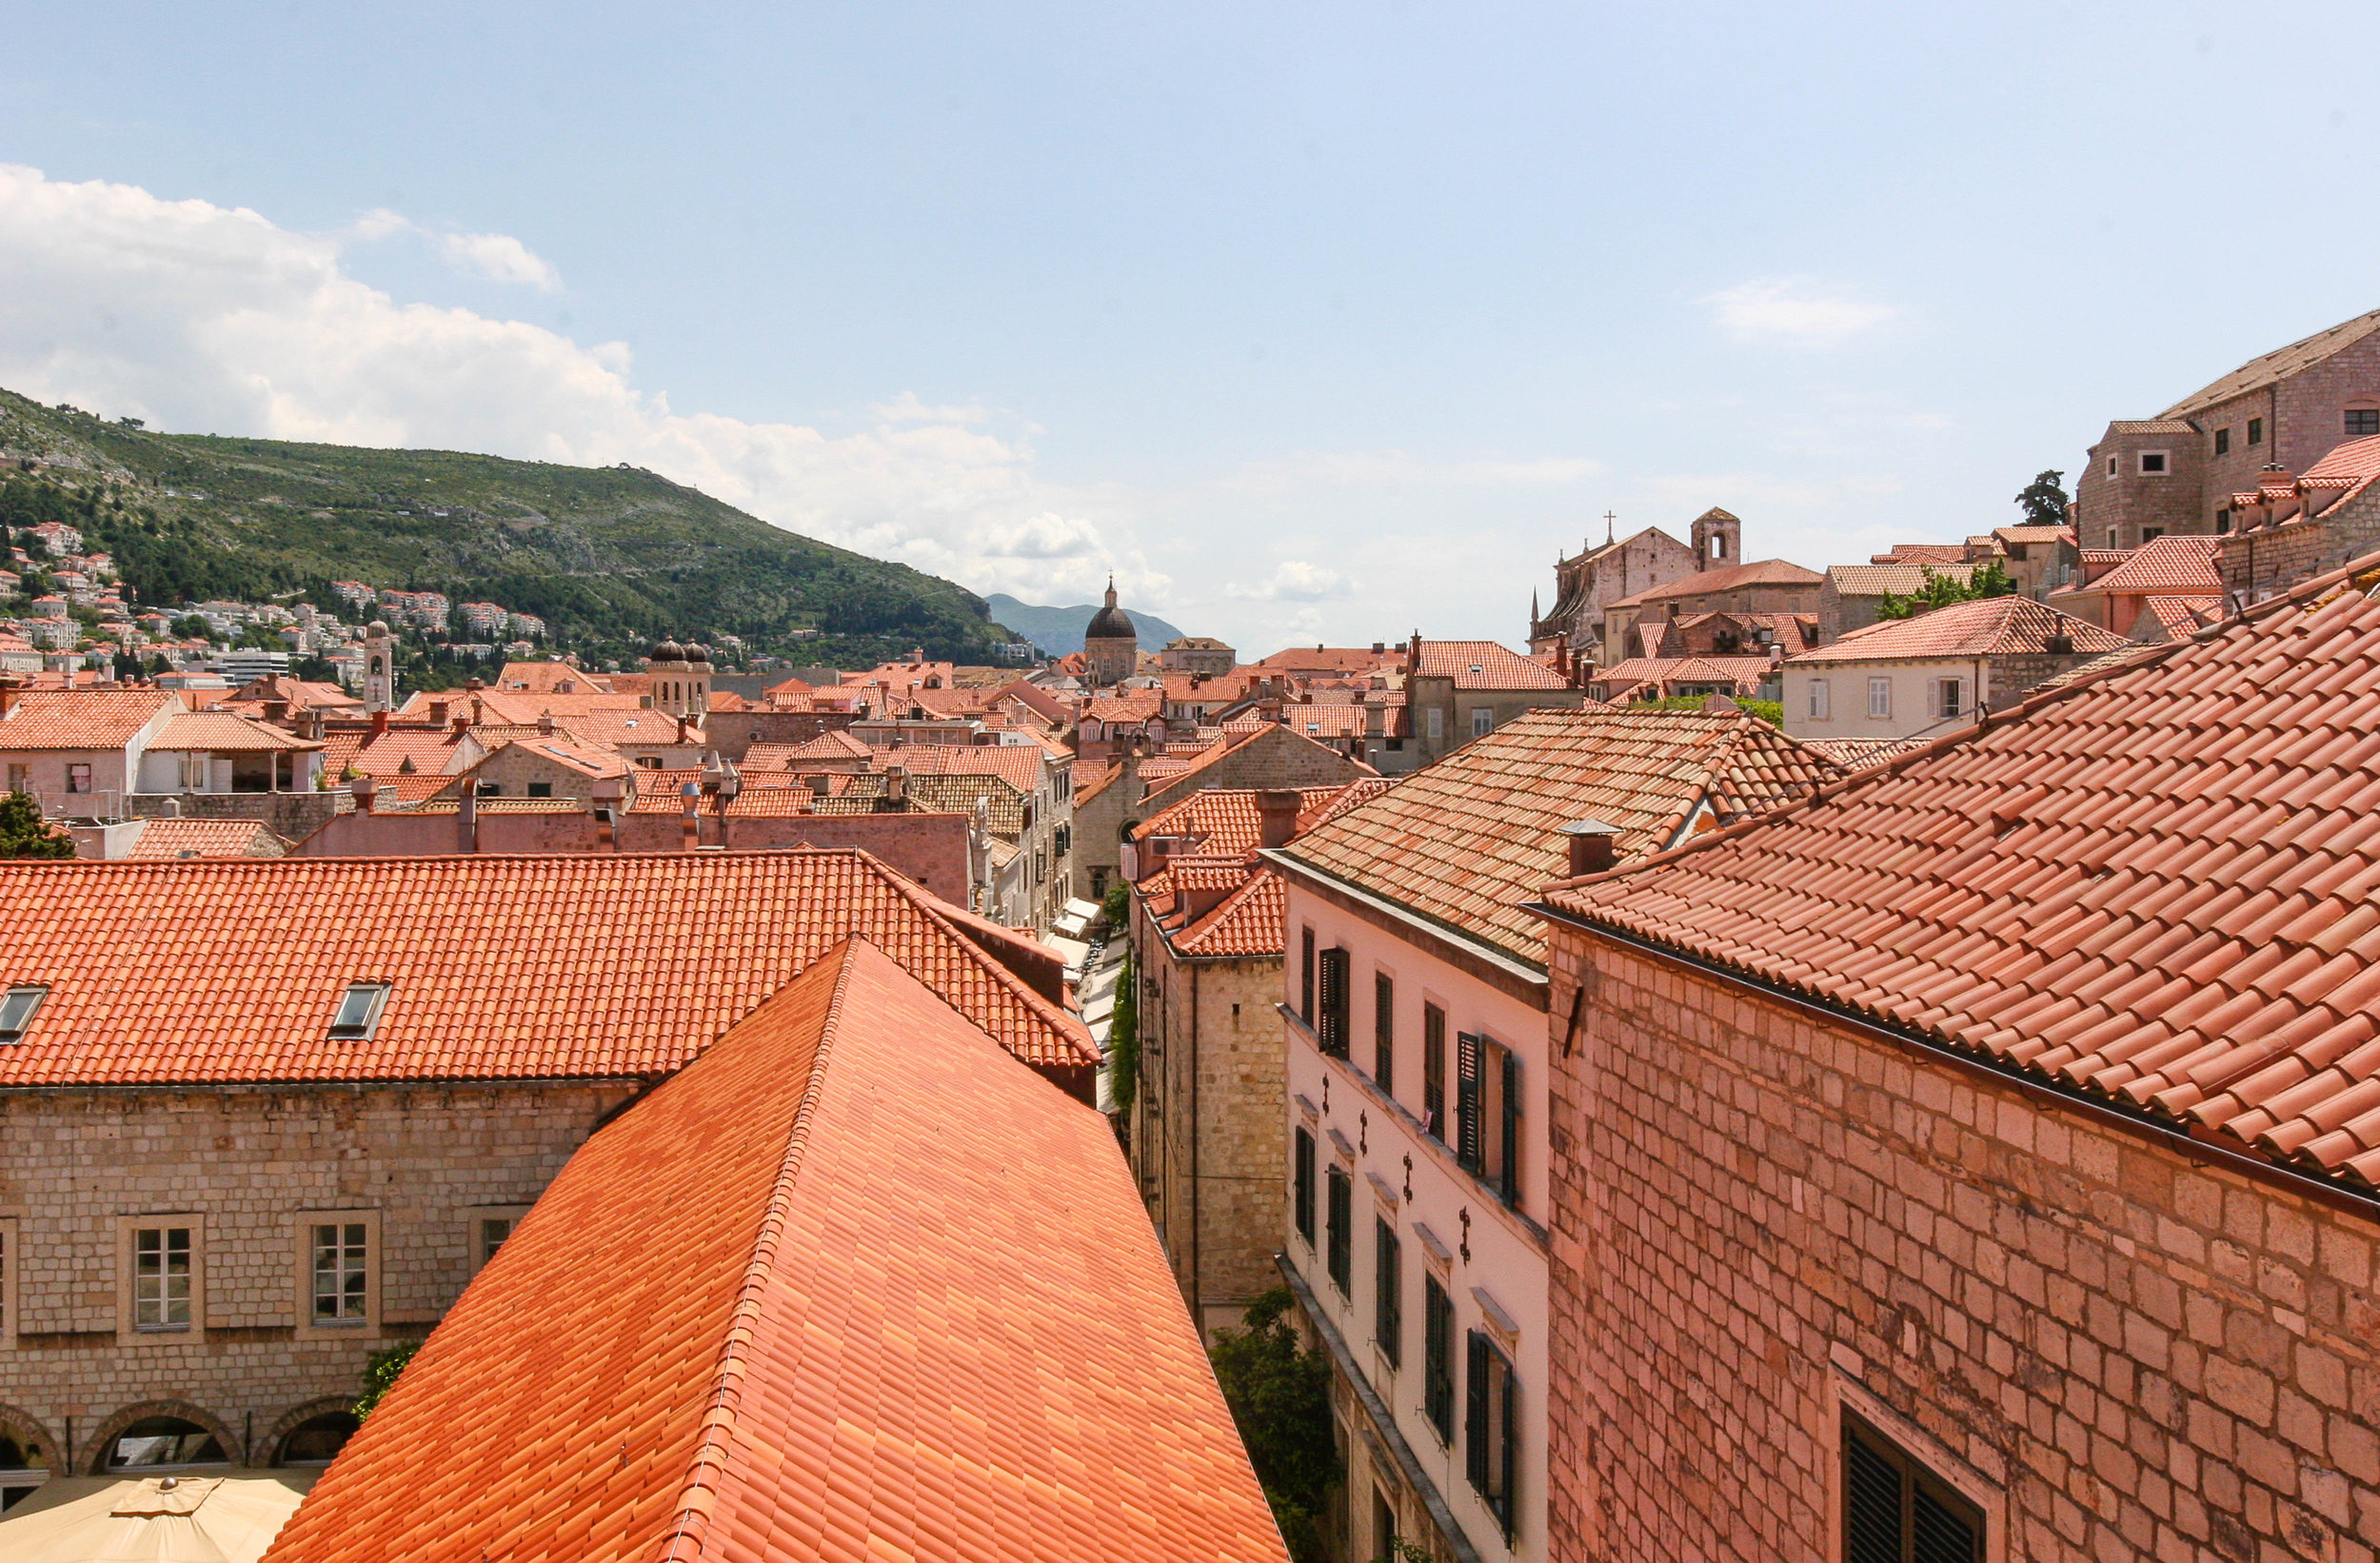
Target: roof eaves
(1463,938)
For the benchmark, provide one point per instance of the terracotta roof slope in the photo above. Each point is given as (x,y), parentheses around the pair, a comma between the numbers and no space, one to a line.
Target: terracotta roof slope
(2178,564)
(2280,364)
(1484,665)
(1989,626)
(2158,884)
(776,1311)
(82,719)
(1903,577)
(1466,842)
(573,966)
(1249,921)
(1761,572)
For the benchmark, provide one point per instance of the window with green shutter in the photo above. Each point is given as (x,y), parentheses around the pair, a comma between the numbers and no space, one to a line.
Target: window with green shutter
(1388,1298)
(1896,1511)
(1337,1240)
(1491,1428)
(1438,1359)
(1384,1033)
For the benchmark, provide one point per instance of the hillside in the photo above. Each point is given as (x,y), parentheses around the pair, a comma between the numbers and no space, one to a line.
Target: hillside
(1058,631)
(609,557)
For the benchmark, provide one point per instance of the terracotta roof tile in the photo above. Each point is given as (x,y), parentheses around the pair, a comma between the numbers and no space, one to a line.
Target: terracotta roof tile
(1763,572)
(1991,627)
(1248,922)
(2160,883)
(203,838)
(2177,566)
(1465,841)
(833,744)
(776,1311)
(1900,578)
(225,732)
(2268,368)
(578,965)
(81,719)
(1484,665)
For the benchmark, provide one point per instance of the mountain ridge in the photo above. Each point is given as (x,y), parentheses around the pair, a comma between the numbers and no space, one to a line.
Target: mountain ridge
(1057,632)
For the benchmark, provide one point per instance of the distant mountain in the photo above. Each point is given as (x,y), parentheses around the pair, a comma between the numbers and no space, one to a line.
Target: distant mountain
(608,557)
(1058,631)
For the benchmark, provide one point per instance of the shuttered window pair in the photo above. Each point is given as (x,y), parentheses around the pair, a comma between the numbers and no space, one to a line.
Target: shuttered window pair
(1330,1025)
(1487,1113)
(1491,1428)
(1896,1511)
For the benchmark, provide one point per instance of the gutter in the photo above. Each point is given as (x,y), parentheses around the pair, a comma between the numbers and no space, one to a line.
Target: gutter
(2183,1142)
(1408,1465)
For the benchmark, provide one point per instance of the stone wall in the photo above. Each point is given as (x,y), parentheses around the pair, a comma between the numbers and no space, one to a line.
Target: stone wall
(1279,757)
(2119,1351)
(291,816)
(250,1162)
(2257,564)
(733,732)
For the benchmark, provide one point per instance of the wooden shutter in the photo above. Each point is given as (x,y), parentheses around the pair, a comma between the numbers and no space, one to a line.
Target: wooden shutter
(1508,1159)
(1305,1210)
(1305,976)
(1437,1356)
(1333,1028)
(1468,1049)
(1475,1412)
(1341,1241)
(1388,1294)
(1384,1033)
(1896,1511)
(1434,1070)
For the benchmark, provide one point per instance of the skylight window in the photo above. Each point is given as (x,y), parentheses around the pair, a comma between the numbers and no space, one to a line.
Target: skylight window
(17,1011)
(359,1012)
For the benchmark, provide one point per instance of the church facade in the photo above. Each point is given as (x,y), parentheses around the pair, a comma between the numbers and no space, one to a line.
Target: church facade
(1596,577)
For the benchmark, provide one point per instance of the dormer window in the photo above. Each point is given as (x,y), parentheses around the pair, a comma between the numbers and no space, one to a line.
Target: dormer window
(17,1011)
(359,1012)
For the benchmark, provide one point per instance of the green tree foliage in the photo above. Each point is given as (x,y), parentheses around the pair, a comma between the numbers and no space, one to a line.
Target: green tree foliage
(1940,591)
(2043,501)
(1117,905)
(1769,711)
(1280,1396)
(24,834)
(1123,1034)
(380,1374)
(192,627)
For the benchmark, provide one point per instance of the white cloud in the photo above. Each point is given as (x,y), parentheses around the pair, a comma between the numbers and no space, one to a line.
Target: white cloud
(209,318)
(906,409)
(1295,581)
(497,257)
(1783,309)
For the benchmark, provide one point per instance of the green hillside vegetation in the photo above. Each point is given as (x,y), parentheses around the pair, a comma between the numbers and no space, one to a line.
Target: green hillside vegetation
(610,557)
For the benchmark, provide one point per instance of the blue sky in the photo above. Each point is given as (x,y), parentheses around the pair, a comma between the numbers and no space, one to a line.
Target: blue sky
(1309,322)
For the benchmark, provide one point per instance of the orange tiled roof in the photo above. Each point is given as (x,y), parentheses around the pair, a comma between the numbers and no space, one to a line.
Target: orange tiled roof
(199,839)
(225,732)
(1989,626)
(1225,821)
(1745,673)
(2271,367)
(1484,665)
(1339,660)
(1901,577)
(542,678)
(775,1311)
(1854,754)
(1252,920)
(1917,553)
(431,750)
(82,719)
(1336,718)
(2159,885)
(1020,765)
(2180,616)
(833,744)
(579,966)
(2174,566)
(1762,572)
(1465,841)
(1140,705)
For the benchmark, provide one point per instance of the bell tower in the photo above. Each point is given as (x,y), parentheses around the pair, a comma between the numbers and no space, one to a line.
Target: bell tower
(1718,540)
(380,677)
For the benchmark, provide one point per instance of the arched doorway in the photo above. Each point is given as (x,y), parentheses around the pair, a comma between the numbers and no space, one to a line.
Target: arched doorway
(317,1440)
(161,1443)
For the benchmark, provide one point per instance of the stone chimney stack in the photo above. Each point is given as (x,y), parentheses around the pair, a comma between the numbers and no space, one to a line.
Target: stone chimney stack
(1277,816)
(1594,847)
(364,789)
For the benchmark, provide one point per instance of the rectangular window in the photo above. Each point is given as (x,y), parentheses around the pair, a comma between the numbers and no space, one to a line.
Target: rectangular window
(78,778)
(1339,1241)
(1487,1112)
(1306,976)
(1301,1193)
(1817,700)
(1949,697)
(2362,421)
(1482,721)
(1438,724)
(1434,1070)
(2152,464)
(20,777)
(1331,1029)
(1491,1428)
(1896,1511)
(1388,1296)
(358,1011)
(17,1008)
(2222,522)
(340,1272)
(2111,466)
(1438,1359)
(488,789)
(162,1257)
(1879,697)
(2222,441)
(1384,1033)
(2110,538)
(485,1229)
(540,789)
(2149,534)
(2255,431)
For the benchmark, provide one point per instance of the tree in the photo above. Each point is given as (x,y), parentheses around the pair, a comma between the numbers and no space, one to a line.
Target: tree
(1123,1036)
(1940,591)
(24,834)
(2043,501)
(193,627)
(1280,1396)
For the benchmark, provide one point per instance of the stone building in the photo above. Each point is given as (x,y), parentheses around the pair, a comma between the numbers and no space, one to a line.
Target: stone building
(259,1118)
(1111,648)
(1585,585)
(681,679)
(1416,1011)
(1631,625)
(1906,677)
(2178,472)
(1198,654)
(1457,691)
(1203,1128)
(1987,1147)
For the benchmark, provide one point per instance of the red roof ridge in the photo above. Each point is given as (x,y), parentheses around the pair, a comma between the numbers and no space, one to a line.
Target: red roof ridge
(713,1449)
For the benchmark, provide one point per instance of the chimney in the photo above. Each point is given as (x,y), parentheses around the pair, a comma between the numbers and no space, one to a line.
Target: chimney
(8,690)
(365,788)
(608,791)
(277,712)
(462,723)
(437,713)
(474,684)
(689,800)
(896,786)
(379,723)
(1277,817)
(466,819)
(546,723)
(310,724)
(1594,847)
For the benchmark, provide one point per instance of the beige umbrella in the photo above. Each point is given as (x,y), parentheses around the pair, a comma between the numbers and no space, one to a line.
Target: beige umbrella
(155,1519)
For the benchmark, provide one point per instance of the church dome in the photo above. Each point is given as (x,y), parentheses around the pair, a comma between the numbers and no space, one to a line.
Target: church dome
(668,651)
(1110,622)
(697,653)
(376,628)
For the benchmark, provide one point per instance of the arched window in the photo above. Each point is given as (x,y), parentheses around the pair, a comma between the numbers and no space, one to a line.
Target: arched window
(19,1472)
(318,1440)
(155,1441)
